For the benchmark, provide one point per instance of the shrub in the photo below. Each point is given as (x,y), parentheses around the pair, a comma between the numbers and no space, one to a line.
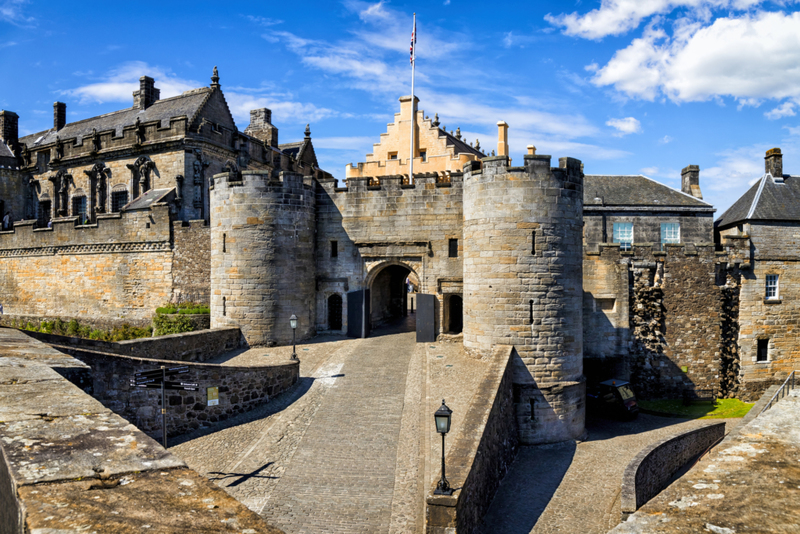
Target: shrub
(72,328)
(175,324)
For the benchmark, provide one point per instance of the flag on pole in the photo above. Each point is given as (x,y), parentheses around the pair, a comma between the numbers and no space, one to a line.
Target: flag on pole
(413,39)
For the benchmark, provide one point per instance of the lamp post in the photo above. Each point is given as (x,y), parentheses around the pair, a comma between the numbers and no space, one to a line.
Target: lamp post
(293,324)
(442,418)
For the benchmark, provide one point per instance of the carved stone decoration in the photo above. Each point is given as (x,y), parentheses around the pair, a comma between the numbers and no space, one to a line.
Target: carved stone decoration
(95,140)
(139,131)
(140,175)
(178,188)
(26,155)
(59,148)
(61,182)
(199,179)
(34,188)
(98,175)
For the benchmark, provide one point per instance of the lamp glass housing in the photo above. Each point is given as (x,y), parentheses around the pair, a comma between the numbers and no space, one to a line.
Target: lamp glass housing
(293,321)
(442,418)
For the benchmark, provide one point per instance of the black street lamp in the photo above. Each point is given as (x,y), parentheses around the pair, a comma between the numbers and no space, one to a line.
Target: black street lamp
(442,418)
(293,324)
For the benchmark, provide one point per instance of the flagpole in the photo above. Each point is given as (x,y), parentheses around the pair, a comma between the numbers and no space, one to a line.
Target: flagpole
(413,102)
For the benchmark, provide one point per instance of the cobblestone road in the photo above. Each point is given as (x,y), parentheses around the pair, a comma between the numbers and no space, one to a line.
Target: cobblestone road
(329,455)
(574,488)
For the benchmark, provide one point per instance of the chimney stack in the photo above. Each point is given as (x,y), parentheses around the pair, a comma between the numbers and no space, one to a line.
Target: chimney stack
(59,115)
(9,128)
(261,126)
(690,181)
(773,163)
(502,138)
(147,93)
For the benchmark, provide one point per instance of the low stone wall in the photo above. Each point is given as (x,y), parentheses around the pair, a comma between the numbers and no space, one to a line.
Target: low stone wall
(186,347)
(240,389)
(481,455)
(59,446)
(651,469)
(98,323)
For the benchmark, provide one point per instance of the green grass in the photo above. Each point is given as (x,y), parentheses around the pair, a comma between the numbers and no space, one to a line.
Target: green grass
(719,409)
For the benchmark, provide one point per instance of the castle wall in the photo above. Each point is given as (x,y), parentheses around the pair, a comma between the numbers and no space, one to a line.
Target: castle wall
(606,333)
(774,251)
(522,285)
(120,267)
(12,193)
(191,268)
(390,223)
(263,255)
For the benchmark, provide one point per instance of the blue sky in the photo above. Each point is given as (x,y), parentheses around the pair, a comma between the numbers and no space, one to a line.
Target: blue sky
(627,86)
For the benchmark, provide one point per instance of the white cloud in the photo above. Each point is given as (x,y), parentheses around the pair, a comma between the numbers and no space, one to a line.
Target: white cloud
(649,171)
(784,110)
(747,58)
(664,140)
(447,2)
(11,11)
(615,17)
(8,43)
(625,126)
(793,130)
(120,83)
(263,21)
(283,111)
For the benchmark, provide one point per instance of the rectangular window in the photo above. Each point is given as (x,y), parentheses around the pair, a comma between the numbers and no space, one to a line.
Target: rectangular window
(42,160)
(79,208)
(453,248)
(762,354)
(604,304)
(118,199)
(670,233)
(43,213)
(423,155)
(334,249)
(772,286)
(623,234)
(392,155)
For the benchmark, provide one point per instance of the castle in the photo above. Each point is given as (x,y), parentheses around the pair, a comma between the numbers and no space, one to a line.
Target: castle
(585,275)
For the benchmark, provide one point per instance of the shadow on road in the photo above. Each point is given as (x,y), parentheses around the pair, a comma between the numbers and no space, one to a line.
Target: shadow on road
(243,477)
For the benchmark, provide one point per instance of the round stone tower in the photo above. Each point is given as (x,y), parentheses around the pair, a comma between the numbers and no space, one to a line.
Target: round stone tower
(523,285)
(262,255)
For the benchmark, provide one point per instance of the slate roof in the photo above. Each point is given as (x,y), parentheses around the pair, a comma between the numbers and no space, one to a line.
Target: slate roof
(766,200)
(188,104)
(635,190)
(5,152)
(147,199)
(460,146)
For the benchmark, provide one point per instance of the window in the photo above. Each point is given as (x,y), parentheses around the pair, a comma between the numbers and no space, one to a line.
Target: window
(423,155)
(762,352)
(79,208)
(533,242)
(453,248)
(42,160)
(392,155)
(118,199)
(334,249)
(670,233)
(604,304)
(623,234)
(772,286)
(43,213)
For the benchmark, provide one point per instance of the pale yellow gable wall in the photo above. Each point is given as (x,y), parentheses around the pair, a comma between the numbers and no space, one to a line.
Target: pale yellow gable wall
(440,157)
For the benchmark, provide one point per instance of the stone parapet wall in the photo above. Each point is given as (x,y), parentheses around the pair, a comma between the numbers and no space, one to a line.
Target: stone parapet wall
(66,461)
(240,389)
(191,268)
(186,347)
(651,469)
(262,261)
(481,454)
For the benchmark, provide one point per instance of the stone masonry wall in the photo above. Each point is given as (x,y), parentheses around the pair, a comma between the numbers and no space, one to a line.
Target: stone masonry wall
(240,389)
(119,268)
(522,285)
(191,268)
(12,193)
(390,223)
(263,255)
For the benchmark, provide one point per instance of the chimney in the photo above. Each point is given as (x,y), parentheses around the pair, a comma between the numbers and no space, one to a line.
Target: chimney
(690,181)
(502,138)
(9,128)
(773,163)
(147,93)
(59,115)
(261,126)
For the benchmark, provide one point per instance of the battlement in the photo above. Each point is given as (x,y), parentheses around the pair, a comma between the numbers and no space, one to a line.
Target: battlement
(129,231)
(261,179)
(425,180)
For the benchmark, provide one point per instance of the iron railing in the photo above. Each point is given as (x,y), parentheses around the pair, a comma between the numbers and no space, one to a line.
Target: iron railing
(788,385)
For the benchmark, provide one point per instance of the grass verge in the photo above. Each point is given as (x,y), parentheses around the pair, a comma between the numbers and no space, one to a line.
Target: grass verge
(719,409)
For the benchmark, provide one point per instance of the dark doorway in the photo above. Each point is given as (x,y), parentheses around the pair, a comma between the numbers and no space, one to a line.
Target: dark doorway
(357,309)
(389,294)
(335,312)
(456,323)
